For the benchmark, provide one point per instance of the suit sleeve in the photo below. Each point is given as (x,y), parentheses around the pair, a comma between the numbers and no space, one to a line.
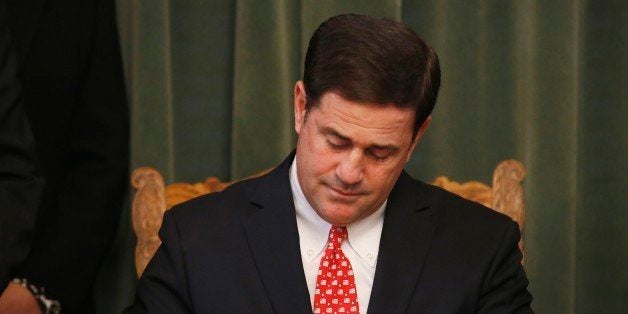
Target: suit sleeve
(163,285)
(505,287)
(20,186)
(84,209)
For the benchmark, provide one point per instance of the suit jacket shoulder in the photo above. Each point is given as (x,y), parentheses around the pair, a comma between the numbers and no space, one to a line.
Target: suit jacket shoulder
(222,210)
(440,253)
(236,251)
(447,203)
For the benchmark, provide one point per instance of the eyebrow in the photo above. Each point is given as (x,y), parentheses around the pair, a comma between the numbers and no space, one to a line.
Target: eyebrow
(330,131)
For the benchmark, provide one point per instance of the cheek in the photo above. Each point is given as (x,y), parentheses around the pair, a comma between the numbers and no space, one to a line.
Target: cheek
(317,162)
(323,166)
(323,160)
(382,179)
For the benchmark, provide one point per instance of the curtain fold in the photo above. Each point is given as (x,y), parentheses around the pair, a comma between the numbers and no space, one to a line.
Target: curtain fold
(601,231)
(211,84)
(267,56)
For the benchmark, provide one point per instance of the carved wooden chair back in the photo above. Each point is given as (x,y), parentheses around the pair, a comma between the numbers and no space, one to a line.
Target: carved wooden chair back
(153,198)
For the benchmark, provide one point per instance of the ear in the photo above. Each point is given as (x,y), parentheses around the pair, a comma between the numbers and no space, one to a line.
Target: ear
(300,99)
(419,135)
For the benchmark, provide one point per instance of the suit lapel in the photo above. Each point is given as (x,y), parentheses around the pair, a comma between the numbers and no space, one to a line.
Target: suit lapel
(404,246)
(24,20)
(273,238)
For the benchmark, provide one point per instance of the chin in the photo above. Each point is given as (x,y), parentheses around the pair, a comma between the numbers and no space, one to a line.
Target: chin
(340,218)
(339,223)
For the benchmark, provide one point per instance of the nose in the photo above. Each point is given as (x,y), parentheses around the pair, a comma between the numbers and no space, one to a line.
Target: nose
(350,169)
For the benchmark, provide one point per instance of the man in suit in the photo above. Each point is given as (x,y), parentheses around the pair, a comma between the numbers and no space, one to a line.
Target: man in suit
(70,70)
(339,227)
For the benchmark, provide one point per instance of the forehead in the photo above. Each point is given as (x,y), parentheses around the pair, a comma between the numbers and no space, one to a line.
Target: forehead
(356,119)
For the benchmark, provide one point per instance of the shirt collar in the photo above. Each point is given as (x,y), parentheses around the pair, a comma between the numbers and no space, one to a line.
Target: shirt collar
(363,235)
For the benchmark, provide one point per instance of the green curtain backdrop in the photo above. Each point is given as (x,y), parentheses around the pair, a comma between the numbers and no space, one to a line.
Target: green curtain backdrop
(545,82)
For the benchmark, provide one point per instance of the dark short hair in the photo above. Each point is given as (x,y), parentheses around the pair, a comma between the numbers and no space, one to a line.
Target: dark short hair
(366,59)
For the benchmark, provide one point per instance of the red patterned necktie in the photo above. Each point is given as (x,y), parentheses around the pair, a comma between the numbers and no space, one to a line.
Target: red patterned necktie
(335,284)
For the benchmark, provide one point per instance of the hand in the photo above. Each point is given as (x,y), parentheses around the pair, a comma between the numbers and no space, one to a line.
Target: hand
(16,299)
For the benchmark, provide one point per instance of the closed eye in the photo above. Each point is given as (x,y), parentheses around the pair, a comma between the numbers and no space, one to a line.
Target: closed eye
(337,141)
(377,156)
(337,144)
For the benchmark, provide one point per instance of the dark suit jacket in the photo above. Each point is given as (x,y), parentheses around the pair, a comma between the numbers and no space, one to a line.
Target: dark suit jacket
(238,252)
(20,186)
(70,69)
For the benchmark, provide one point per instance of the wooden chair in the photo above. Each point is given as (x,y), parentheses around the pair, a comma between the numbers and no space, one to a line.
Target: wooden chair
(153,198)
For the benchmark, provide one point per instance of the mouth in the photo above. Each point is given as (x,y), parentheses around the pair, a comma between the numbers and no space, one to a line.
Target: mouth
(344,193)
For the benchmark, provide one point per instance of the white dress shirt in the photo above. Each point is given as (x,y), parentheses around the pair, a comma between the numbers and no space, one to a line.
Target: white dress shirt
(361,246)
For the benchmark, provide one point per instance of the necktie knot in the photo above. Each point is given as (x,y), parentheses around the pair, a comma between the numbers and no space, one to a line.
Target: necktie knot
(336,236)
